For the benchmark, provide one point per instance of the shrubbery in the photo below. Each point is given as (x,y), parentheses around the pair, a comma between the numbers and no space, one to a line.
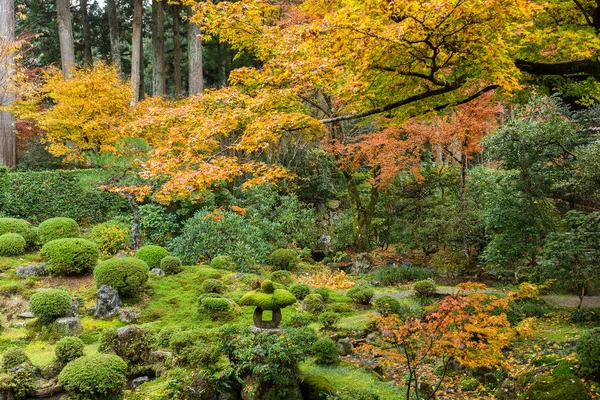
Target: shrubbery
(283,259)
(213,286)
(326,351)
(386,305)
(171,265)
(70,256)
(299,290)
(588,352)
(283,277)
(111,237)
(217,307)
(128,275)
(58,228)
(425,288)
(99,376)
(361,294)
(391,275)
(68,349)
(12,357)
(12,244)
(20,226)
(152,255)
(329,319)
(50,304)
(314,303)
(324,292)
(223,262)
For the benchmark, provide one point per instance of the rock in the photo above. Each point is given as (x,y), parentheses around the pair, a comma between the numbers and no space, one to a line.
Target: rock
(121,254)
(362,263)
(74,311)
(346,347)
(406,263)
(31,270)
(551,387)
(47,391)
(65,397)
(509,390)
(19,324)
(132,344)
(372,338)
(138,381)
(26,315)
(324,241)
(108,302)
(128,315)
(239,275)
(68,326)
(50,372)
(157,272)
(160,356)
(374,283)
(90,310)
(334,204)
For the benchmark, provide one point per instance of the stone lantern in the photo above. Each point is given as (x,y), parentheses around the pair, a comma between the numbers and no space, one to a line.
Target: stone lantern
(268,298)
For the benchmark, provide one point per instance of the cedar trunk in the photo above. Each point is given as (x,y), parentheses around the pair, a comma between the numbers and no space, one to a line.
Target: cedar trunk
(136,51)
(176,50)
(113,26)
(85,26)
(195,79)
(8,139)
(65,36)
(159,85)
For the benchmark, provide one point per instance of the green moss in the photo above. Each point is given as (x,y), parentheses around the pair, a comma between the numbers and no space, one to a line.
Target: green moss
(557,388)
(58,228)
(283,259)
(280,298)
(223,262)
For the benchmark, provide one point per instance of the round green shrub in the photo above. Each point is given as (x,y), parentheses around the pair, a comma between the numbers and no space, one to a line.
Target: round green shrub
(12,357)
(324,292)
(111,237)
(68,349)
(216,306)
(361,294)
(70,256)
(20,226)
(300,290)
(171,265)
(12,244)
(223,262)
(386,305)
(313,303)
(58,228)
(329,319)
(50,304)
(128,275)
(588,351)
(326,351)
(424,288)
(213,286)
(152,255)
(282,276)
(283,259)
(99,376)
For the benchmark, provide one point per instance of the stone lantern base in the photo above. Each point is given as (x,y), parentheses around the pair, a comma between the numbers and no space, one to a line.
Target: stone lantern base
(260,323)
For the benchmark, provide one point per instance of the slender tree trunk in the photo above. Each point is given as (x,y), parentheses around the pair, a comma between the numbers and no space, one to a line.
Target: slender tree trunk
(142,91)
(362,215)
(195,72)
(223,64)
(8,139)
(135,229)
(85,26)
(136,51)
(113,26)
(65,36)
(159,84)
(176,50)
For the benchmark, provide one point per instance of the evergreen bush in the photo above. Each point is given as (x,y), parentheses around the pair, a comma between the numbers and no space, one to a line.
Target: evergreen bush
(171,265)
(20,226)
(68,349)
(99,376)
(111,237)
(361,294)
(70,256)
(50,304)
(127,275)
(326,351)
(152,255)
(12,244)
(285,259)
(299,290)
(58,228)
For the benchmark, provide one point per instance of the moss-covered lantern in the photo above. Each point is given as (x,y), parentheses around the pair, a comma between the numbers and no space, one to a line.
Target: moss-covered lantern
(268,298)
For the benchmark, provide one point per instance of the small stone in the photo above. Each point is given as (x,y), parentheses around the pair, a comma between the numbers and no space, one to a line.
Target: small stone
(334,204)
(160,356)
(346,347)
(139,381)
(74,311)
(121,254)
(19,324)
(375,283)
(26,315)
(157,272)
(238,276)
(362,263)
(108,302)
(90,310)
(68,326)
(31,270)
(324,240)
(128,315)
(372,338)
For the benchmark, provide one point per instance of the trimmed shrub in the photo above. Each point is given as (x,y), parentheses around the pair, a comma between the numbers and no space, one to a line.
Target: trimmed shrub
(70,256)
(283,259)
(223,262)
(128,275)
(50,304)
(282,276)
(299,320)
(324,292)
(111,237)
(68,349)
(588,352)
(391,275)
(12,357)
(58,228)
(171,265)
(313,303)
(216,307)
(361,294)
(329,319)
(12,244)
(299,290)
(99,376)
(326,351)
(386,305)
(20,226)
(213,286)
(152,255)
(424,288)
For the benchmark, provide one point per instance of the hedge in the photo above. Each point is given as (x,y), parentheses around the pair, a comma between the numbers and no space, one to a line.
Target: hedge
(38,195)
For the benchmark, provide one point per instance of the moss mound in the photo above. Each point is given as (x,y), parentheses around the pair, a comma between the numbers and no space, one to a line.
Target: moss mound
(316,387)
(50,304)
(557,388)
(99,376)
(171,265)
(268,297)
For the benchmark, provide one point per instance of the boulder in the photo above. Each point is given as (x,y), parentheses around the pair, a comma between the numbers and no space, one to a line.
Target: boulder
(128,315)
(139,381)
(362,263)
(346,347)
(108,302)
(68,326)
(132,344)
(31,270)
(74,311)
(157,272)
(26,315)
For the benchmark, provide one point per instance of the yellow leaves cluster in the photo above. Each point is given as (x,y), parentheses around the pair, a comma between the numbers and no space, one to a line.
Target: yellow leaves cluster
(331,280)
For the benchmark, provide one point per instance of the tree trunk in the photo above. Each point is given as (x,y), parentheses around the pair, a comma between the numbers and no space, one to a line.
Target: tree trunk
(85,26)
(159,84)
(65,36)
(362,215)
(8,139)
(135,229)
(195,72)
(176,50)
(113,26)
(223,64)
(136,51)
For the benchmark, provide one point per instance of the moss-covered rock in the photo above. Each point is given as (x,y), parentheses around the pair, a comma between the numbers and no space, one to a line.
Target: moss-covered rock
(316,387)
(557,388)
(279,298)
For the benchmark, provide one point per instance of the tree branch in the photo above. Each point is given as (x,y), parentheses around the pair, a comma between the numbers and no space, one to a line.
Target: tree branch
(590,67)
